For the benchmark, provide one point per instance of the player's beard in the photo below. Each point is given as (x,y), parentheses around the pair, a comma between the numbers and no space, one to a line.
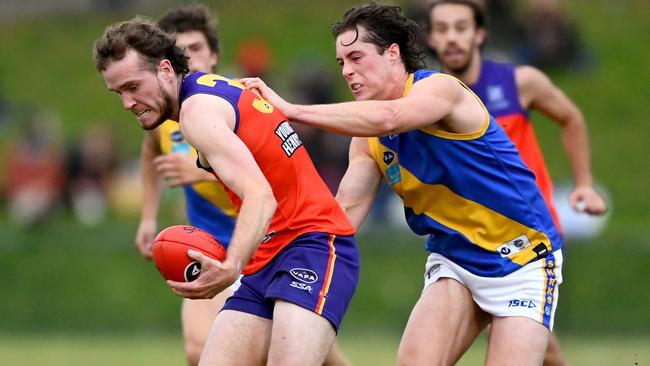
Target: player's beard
(165,108)
(463,67)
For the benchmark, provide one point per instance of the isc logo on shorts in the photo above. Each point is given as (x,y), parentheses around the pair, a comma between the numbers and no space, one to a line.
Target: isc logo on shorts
(522,303)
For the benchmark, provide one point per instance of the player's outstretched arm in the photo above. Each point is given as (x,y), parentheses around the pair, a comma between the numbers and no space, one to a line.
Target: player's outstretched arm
(152,188)
(429,101)
(360,183)
(207,123)
(538,92)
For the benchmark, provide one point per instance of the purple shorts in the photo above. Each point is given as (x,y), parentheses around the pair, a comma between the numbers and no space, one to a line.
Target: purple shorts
(317,271)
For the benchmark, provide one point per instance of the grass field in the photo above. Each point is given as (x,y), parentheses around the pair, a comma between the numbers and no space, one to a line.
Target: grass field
(373,348)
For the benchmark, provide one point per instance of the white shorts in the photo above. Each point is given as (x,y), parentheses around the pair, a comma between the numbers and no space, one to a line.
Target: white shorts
(531,291)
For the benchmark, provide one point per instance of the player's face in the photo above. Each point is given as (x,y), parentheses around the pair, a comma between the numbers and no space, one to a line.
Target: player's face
(142,91)
(364,69)
(454,36)
(196,46)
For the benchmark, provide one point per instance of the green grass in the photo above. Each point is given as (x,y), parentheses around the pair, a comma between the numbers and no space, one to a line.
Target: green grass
(371,348)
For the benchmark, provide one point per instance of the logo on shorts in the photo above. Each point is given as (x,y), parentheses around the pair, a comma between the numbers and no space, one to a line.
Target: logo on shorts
(304,275)
(515,245)
(435,268)
(192,271)
(524,303)
(301,286)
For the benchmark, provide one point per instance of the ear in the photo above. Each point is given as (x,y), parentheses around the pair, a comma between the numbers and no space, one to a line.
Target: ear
(394,53)
(480,36)
(214,60)
(166,69)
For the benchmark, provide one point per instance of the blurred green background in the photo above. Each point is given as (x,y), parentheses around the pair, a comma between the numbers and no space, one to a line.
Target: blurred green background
(81,294)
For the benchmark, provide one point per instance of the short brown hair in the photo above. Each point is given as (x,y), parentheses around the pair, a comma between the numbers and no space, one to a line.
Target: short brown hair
(385,25)
(477,6)
(193,17)
(144,37)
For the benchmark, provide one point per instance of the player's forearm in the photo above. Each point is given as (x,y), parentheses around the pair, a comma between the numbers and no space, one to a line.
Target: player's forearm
(576,144)
(252,224)
(152,188)
(366,118)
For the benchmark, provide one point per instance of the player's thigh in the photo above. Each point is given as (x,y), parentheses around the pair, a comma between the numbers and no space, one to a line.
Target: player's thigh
(299,336)
(443,324)
(197,316)
(516,341)
(236,339)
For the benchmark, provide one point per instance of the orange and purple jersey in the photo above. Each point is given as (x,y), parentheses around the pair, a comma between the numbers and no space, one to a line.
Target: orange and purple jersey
(305,204)
(497,88)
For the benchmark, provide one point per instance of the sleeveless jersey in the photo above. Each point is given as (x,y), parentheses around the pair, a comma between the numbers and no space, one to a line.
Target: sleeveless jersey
(206,203)
(497,88)
(305,204)
(471,193)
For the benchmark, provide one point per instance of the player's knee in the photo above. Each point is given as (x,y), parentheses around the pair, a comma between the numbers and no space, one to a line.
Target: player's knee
(193,350)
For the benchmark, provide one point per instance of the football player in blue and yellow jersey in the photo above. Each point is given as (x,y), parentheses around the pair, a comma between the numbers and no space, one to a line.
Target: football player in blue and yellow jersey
(456,32)
(495,253)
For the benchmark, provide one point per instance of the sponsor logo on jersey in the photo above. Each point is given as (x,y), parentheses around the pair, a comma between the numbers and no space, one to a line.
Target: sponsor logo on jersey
(290,140)
(496,98)
(304,275)
(268,236)
(192,271)
(515,245)
(389,156)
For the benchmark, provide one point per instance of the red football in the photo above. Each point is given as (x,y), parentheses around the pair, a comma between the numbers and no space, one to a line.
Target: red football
(170,251)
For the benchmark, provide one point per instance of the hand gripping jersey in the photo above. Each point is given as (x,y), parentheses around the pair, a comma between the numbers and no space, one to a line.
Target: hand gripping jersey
(206,203)
(497,88)
(305,204)
(471,193)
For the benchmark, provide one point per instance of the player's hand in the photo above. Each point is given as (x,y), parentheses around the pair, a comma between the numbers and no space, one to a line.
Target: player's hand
(587,199)
(144,237)
(178,169)
(215,277)
(256,84)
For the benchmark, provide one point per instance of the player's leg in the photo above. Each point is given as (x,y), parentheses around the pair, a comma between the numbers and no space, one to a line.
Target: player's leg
(516,341)
(443,324)
(316,278)
(237,338)
(299,336)
(197,317)
(553,355)
(335,357)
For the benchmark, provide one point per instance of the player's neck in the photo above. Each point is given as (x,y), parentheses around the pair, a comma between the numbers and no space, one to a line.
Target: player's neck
(471,74)
(176,97)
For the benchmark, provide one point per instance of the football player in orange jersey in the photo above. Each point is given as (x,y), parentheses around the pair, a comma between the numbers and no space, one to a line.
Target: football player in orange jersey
(456,31)
(300,261)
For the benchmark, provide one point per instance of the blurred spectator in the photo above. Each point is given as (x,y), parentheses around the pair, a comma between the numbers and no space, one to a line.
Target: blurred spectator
(254,57)
(35,171)
(90,166)
(313,83)
(551,39)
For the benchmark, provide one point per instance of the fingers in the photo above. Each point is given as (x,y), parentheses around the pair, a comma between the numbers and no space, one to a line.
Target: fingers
(251,83)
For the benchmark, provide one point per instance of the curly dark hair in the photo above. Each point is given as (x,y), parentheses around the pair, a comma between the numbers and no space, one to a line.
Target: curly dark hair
(193,17)
(477,6)
(385,25)
(139,34)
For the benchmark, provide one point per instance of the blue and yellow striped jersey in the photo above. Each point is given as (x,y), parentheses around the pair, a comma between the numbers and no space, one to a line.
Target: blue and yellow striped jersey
(470,193)
(207,204)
